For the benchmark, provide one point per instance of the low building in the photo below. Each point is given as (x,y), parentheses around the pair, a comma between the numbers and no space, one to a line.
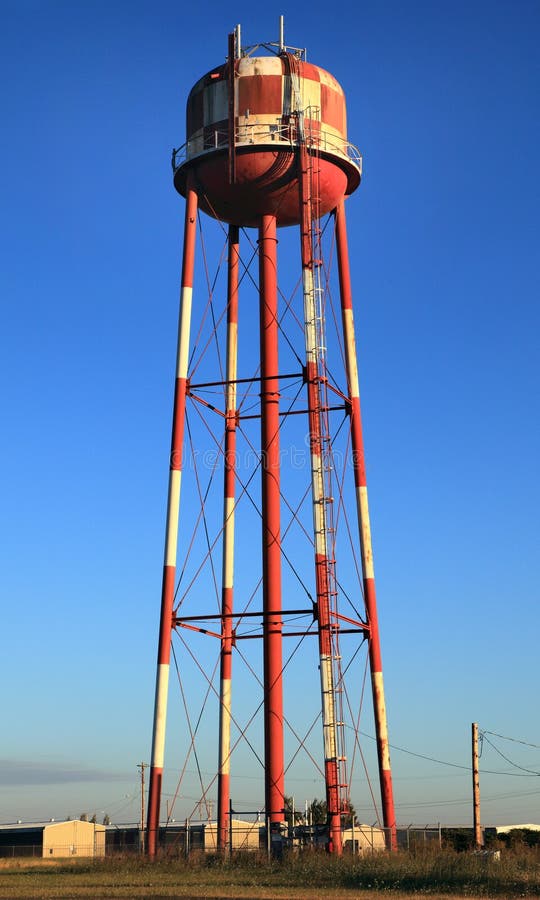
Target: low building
(363,839)
(244,835)
(73,837)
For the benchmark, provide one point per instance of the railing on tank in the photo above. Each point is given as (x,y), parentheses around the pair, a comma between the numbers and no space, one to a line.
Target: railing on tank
(258,135)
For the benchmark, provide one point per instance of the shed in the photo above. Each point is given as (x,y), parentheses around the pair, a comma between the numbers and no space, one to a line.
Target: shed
(244,835)
(73,837)
(363,838)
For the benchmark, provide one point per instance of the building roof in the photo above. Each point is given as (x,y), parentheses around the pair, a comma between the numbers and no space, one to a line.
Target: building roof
(39,826)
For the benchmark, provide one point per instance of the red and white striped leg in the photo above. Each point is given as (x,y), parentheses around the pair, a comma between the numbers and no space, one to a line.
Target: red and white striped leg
(322,566)
(375,659)
(171,534)
(228,544)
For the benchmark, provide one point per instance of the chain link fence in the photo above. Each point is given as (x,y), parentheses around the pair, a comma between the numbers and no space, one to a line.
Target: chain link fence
(181,840)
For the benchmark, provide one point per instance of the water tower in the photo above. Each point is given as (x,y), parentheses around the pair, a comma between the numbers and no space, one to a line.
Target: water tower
(267,149)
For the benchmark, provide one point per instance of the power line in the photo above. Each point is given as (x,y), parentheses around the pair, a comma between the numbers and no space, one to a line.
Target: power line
(508,760)
(515,740)
(442,762)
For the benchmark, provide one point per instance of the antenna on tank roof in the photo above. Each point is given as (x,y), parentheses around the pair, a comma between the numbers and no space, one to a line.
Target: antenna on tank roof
(274,47)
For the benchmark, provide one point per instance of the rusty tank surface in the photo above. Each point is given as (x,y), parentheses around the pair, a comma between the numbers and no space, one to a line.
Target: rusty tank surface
(245,121)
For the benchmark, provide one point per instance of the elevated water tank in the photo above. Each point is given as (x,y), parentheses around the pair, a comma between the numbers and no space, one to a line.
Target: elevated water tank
(259,114)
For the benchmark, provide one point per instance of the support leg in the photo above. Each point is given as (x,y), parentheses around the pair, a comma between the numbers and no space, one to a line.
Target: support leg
(171,534)
(228,546)
(271,537)
(319,500)
(383,751)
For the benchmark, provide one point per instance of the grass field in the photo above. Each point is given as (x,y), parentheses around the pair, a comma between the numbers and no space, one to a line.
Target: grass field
(440,874)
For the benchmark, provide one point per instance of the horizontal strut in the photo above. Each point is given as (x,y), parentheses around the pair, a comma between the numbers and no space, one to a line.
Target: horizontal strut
(251,637)
(297,412)
(204,384)
(271,612)
(358,624)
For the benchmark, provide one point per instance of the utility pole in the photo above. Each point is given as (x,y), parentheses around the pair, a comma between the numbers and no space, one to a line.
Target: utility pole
(142,766)
(478,840)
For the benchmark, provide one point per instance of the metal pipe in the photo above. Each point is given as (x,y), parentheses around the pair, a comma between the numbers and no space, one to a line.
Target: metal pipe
(171,532)
(323,574)
(228,543)
(375,659)
(281,34)
(271,528)
(231,130)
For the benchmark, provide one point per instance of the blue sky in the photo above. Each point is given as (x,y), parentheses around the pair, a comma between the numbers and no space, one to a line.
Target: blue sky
(444,234)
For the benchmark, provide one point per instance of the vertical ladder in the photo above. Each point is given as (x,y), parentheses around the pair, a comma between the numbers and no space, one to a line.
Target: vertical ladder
(313,140)
(321,471)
